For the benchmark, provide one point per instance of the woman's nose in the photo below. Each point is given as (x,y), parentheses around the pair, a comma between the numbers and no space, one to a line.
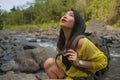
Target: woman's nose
(65,16)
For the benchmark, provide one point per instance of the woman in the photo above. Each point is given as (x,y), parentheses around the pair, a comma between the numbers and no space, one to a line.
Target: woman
(85,55)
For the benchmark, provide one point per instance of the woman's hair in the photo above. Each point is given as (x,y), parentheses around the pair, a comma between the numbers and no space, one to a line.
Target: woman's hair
(78,29)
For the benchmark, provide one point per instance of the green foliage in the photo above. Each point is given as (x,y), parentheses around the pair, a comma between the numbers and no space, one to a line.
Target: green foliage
(13,18)
(1,21)
(100,9)
(87,23)
(45,13)
(39,2)
(19,27)
(117,24)
(45,25)
(114,15)
(48,25)
(13,9)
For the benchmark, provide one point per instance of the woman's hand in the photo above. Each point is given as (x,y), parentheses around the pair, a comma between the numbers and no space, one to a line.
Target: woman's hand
(72,57)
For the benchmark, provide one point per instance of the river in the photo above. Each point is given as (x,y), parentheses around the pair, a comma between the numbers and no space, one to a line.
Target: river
(114,68)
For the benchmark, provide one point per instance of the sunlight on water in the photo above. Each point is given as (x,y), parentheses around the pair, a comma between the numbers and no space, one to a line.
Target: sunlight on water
(28,39)
(114,54)
(50,43)
(47,44)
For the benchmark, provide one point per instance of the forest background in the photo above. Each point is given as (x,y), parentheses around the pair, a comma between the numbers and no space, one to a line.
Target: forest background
(46,13)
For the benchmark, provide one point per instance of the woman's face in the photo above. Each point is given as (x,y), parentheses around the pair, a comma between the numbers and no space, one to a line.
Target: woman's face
(67,20)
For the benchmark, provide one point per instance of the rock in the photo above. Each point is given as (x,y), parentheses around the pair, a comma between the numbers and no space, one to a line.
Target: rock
(33,29)
(21,76)
(42,76)
(27,62)
(31,46)
(1,51)
(11,65)
(42,53)
(96,26)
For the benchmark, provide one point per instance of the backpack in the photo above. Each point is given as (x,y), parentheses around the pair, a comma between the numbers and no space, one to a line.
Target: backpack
(100,43)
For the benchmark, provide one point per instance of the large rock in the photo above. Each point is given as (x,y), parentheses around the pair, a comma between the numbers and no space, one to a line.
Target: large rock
(27,62)
(96,26)
(31,60)
(11,65)
(42,53)
(21,76)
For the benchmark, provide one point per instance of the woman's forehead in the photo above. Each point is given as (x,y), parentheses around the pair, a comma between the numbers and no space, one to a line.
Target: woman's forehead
(70,12)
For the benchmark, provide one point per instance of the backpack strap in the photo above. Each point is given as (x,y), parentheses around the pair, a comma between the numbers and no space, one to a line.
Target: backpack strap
(64,59)
(107,48)
(73,46)
(75,41)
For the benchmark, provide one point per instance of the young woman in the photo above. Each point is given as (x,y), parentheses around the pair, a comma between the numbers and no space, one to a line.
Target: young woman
(86,54)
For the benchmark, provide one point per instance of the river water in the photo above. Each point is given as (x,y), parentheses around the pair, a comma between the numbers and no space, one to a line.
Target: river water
(114,68)
(114,65)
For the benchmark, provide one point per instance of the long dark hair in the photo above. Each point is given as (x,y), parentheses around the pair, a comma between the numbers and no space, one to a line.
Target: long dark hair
(78,29)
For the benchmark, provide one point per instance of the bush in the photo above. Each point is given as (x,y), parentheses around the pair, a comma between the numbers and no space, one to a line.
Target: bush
(117,24)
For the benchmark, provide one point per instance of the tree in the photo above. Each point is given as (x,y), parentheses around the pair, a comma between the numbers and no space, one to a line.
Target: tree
(13,9)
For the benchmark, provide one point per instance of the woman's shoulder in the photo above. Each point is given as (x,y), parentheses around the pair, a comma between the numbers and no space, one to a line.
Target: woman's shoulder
(81,43)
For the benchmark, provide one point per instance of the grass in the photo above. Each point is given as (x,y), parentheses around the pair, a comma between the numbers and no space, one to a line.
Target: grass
(17,27)
(48,25)
(43,26)
(118,24)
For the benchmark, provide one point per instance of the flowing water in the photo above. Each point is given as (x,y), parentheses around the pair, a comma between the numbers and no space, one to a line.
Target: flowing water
(114,69)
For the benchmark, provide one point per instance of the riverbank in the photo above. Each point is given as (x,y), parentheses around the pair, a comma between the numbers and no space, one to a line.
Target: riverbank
(22,53)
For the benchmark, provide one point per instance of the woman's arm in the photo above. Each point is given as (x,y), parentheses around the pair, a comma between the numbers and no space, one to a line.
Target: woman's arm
(95,58)
(73,56)
(82,63)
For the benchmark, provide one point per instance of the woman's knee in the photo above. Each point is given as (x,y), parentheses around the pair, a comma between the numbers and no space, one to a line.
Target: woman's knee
(49,62)
(51,68)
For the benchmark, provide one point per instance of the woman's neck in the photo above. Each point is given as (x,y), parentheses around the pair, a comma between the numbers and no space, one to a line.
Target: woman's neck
(67,35)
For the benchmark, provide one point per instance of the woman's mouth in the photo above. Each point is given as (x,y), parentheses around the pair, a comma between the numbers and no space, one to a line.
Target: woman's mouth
(63,20)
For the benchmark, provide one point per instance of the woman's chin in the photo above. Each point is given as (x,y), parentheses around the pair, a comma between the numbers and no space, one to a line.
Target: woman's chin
(65,27)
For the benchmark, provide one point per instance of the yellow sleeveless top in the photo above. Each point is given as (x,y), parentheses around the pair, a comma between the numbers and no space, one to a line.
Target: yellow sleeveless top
(91,53)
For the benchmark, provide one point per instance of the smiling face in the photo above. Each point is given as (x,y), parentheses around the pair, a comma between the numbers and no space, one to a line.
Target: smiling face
(67,20)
